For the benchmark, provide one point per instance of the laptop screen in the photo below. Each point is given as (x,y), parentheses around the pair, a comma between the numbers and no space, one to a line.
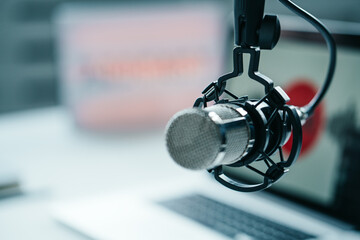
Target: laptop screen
(326,173)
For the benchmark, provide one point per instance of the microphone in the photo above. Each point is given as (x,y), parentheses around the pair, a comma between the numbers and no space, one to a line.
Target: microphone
(236,133)
(205,138)
(243,132)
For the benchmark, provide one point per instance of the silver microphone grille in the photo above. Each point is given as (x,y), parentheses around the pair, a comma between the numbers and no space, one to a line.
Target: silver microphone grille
(200,139)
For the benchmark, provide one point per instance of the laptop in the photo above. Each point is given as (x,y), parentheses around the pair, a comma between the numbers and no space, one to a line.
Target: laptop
(195,207)
(316,200)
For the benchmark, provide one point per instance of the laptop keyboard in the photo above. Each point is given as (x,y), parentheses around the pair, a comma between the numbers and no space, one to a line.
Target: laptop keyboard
(231,221)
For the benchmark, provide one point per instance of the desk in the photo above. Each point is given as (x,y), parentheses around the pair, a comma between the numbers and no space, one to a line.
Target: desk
(56,161)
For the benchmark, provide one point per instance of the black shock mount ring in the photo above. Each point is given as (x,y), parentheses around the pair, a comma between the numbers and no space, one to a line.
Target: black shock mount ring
(276,99)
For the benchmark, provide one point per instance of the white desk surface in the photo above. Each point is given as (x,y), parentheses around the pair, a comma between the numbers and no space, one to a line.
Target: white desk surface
(55,161)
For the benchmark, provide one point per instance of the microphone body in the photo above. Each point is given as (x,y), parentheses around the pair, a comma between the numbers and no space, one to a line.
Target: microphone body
(231,133)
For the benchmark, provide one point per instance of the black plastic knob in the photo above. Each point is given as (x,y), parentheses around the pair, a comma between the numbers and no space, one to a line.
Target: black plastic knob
(269,32)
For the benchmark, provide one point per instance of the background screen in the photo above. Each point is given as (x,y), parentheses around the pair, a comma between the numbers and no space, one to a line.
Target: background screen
(326,173)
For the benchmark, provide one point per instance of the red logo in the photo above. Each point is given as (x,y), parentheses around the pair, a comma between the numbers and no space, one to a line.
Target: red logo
(301,92)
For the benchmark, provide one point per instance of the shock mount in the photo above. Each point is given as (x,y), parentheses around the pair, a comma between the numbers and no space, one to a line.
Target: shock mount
(255,32)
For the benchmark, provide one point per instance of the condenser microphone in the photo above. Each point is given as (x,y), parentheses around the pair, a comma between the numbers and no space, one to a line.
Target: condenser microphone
(236,133)
(242,132)
(205,138)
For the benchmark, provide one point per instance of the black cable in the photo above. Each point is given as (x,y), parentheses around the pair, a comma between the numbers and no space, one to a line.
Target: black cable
(310,107)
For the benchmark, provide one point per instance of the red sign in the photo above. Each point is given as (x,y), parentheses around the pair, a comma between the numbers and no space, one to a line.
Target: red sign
(301,92)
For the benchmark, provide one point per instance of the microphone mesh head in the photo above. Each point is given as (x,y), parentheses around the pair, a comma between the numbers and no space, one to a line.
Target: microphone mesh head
(194,140)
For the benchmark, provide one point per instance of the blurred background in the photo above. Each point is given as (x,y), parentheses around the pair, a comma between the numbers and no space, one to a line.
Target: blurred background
(28,73)
(69,69)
